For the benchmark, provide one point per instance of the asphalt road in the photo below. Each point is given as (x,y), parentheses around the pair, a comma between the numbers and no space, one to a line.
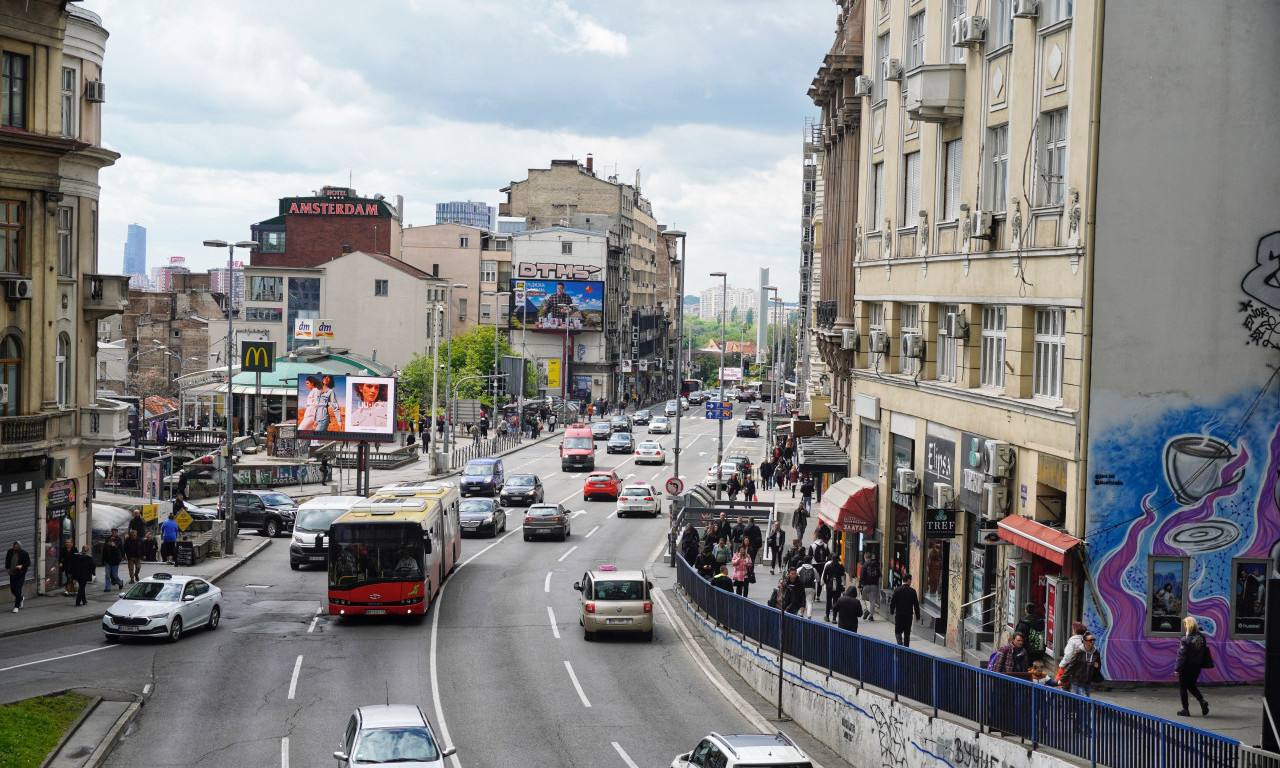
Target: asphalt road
(499,664)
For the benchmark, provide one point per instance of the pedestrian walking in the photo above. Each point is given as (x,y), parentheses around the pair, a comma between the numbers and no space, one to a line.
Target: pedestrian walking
(82,569)
(754,538)
(777,598)
(780,476)
(66,556)
(869,583)
(112,556)
(833,576)
(706,561)
(793,477)
(819,552)
(551,423)
(739,532)
(133,555)
(734,487)
(1074,644)
(807,576)
(794,593)
(721,580)
(749,488)
(689,543)
(1012,659)
(806,494)
(800,519)
(904,603)
(766,474)
(1193,656)
(848,609)
(150,548)
(1031,627)
(439,427)
(795,555)
(1086,669)
(777,540)
(138,525)
(168,540)
(722,553)
(17,563)
(823,531)
(475,434)
(484,427)
(741,565)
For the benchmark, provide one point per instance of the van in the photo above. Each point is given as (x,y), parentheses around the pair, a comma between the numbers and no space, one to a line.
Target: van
(310,543)
(577,449)
(482,477)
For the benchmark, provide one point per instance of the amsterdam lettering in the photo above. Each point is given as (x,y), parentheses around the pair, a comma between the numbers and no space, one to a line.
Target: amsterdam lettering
(549,270)
(337,209)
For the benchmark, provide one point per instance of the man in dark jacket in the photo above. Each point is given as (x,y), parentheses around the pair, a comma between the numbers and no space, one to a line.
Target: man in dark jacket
(833,580)
(82,571)
(754,538)
(795,555)
(112,556)
(904,603)
(869,583)
(721,580)
(1031,627)
(138,524)
(65,557)
(133,554)
(689,543)
(848,609)
(738,533)
(795,593)
(17,563)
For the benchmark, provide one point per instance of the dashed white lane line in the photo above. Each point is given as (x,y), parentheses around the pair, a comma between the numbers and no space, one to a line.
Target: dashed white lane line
(293,682)
(576,685)
(555,629)
(611,514)
(566,554)
(146,689)
(593,530)
(570,496)
(284,752)
(546,585)
(623,754)
(579,512)
(312,628)
(58,658)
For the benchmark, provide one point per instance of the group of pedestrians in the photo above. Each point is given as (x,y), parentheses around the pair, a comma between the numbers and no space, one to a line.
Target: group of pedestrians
(726,553)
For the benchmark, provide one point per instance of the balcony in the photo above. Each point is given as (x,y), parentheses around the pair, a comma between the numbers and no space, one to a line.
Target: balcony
(105,295)
(25,435)
(935,92)
(824,314)
(104,424)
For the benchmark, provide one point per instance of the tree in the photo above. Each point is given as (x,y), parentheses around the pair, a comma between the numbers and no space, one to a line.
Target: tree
(733,315)
(751,315)
(472,355)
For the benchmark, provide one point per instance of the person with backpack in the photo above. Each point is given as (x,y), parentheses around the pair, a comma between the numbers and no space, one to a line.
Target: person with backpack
(833,580)
(819,552)
(869,583)
(806,494)
(1012,659)
(795,555)
(1193,656)
(807,577)
(1031,627)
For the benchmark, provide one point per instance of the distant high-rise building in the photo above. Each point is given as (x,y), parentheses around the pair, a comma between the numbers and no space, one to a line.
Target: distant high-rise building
(162,277)
(221,282)
(469,213)
(135,251)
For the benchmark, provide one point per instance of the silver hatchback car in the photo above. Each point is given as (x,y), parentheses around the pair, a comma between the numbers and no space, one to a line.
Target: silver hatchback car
(391,734)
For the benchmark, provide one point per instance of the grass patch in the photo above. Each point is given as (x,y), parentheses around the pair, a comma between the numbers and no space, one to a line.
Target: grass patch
(30,729)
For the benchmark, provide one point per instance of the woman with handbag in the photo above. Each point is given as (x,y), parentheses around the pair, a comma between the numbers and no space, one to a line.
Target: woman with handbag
(1193,656)
(740,568)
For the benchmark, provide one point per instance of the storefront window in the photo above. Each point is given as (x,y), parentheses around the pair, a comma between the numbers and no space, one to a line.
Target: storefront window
(936,554)
(869,467)
(903,450)
(982,577)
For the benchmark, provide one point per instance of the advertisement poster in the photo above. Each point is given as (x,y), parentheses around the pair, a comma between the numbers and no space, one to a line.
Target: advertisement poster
(151,479)
(340,407)
(581,387)
(732,374)
(553,373)
(1167,587)
(1249,593)
(1050,614)
(555,304)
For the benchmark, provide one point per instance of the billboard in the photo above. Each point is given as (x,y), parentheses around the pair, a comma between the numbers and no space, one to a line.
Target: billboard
(551,304)
(340,407)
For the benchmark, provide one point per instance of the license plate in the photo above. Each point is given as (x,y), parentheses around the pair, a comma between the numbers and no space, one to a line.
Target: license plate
(617,621)
(470,525)
(316,557)
(127,629)
(375,611)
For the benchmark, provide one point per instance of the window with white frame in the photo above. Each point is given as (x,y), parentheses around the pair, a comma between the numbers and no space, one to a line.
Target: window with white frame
(1053,157)
(66,244)
(485,311)
(910,189)
(70,116)
(991,369)
(959,9)
(875,316)
(1054,11)
(998,169)
(915,40)
(999,24)
(948,346)
(877,197)
(566,247)
(882,60)
(488,271)
(910,323)
(1050,348)
(953,152)
(62,369)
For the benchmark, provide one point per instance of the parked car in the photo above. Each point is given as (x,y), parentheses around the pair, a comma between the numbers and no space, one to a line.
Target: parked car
(163,605)
(639,497)
(620,442)
(482,477)
(659,426)
(522,489)
(546,520)
(396,734)
(610,600)
(641,417)
(755,412)
(270,512)
(748,429)
(601,430)
(480,515)
(650,453)
(601,483)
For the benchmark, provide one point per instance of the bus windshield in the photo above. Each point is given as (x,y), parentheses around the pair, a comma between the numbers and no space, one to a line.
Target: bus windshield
(368,553)
(578,442)
(690,385)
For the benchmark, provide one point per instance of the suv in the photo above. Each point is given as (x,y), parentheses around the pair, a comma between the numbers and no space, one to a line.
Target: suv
(754,749)
(271,512)
(610,600)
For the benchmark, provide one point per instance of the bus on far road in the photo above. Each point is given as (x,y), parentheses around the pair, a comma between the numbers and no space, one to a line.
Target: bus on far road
(690,385)
(390,554)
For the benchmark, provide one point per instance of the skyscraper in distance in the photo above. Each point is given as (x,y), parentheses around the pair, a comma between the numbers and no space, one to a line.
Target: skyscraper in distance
(135,251)
(470,213)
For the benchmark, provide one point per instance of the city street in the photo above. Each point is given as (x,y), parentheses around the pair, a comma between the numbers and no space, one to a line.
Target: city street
(499,663)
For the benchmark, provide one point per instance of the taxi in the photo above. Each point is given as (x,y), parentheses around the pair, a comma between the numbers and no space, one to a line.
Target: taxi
(604,482)
(163,605)
(613,600)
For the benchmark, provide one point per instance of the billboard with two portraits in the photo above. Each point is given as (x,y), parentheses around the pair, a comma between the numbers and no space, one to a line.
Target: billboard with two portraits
(341,407)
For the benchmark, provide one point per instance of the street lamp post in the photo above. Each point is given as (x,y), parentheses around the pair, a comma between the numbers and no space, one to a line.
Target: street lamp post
(435,372)
(768,424)
(448,373)
(230,517)
(724,305)
(679,352)
(497,371)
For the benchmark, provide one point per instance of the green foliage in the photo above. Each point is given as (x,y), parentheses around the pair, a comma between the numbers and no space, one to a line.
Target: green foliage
(472,355)
(30,729)
(751,315)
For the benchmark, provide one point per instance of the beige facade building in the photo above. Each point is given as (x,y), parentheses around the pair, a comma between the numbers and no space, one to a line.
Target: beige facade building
(51,422)
(460,253)
(1001,217)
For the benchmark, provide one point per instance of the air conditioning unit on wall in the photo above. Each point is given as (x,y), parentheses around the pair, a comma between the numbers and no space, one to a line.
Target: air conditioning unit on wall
(849,339)
(956,326)
(995,500)
(891,69)
(912,346)
(944,496)
(862,86)
(1025,9)
(95,91)
(980,225)
(879,342)
(1000,459)
(906,481)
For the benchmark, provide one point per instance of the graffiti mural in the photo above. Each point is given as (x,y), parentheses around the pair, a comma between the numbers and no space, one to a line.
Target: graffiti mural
(1183,488)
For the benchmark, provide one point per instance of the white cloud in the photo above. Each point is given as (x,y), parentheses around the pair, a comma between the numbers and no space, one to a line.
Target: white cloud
(573,33)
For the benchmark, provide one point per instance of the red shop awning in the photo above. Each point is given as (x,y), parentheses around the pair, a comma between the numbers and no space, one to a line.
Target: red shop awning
(1044,541)
(850,506)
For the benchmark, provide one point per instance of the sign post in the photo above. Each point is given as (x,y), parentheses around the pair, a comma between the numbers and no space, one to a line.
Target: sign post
(674,486)
(258,357)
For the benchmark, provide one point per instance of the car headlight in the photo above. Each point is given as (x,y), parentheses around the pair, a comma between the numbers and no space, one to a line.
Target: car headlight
(155,616)
(489,519)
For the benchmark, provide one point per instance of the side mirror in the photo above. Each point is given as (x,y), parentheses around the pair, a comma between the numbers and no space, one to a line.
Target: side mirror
(448,751)
(650,584)
(577,587)
(188,598)
(340,755)
(426,545)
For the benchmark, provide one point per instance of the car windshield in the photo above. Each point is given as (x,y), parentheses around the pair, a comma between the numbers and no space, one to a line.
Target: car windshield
(642,413)
(395,745)
(478,470)
(276,499)
(317,519)
(637,491)
(649,446)
(621,437)
(525,480)
(619,590)
(159,591)
(367,553)
(476,506)
(660,420)
(575,443)
(543,511)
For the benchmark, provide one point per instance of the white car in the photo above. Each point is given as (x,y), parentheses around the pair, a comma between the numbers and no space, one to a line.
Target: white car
(671,408)
(756,749)
(639,497)
(650,453)
(391,734)
(163,605)
(713,479)
(659,425)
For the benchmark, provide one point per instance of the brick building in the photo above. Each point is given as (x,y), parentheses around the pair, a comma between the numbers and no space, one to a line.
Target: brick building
(166,334)
(311,230)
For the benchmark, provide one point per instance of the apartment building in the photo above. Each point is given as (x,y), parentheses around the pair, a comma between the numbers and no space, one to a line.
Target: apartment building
(468,255)
(1037,269)
(51,152)
(813,382)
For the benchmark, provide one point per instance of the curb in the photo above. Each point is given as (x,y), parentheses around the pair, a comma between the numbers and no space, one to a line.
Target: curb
(249,554)
(104,749)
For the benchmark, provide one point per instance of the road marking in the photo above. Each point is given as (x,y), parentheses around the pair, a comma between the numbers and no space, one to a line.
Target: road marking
(58,658)
(146,689)
(293,683)
(312,628)
(566,554)
(284,752)
(579,512)
(625,757)
(546,585)
(257,586)
(555,630)
(611,514)
(593,530)
(576,685)
(319,608)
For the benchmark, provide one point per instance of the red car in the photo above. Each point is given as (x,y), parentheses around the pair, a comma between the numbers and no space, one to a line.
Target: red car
(603,483)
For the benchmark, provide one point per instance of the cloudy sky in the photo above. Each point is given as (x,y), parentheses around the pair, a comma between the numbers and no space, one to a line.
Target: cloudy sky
(220,109)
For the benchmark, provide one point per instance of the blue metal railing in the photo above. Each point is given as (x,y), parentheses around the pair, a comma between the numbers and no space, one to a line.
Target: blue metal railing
(1101,733)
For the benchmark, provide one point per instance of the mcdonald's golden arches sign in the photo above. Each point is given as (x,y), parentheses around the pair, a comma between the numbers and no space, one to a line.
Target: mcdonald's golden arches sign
(257,356)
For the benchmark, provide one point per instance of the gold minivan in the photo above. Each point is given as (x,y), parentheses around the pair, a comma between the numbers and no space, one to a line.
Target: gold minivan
(610,600)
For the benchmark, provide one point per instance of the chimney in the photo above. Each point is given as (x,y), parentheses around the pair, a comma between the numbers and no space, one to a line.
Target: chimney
(347,248)
(589,163)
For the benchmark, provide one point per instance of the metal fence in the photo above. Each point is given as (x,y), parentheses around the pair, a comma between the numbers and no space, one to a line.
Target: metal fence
(1100,733)
(483,448)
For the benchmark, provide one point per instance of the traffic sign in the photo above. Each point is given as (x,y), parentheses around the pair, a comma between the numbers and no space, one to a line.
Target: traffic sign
(674,486)
(183,519)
